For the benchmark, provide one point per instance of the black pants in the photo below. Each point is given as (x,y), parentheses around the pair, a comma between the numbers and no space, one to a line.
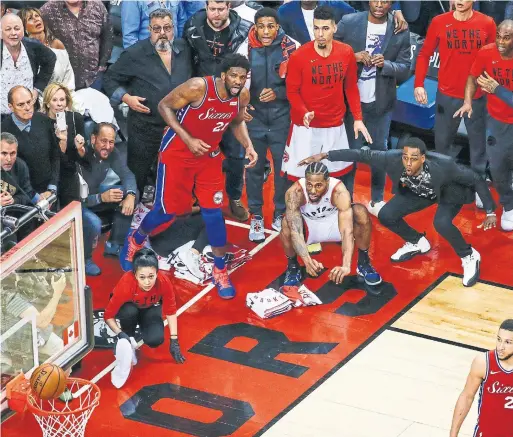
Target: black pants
(142,150)
(393,213)
(149,320)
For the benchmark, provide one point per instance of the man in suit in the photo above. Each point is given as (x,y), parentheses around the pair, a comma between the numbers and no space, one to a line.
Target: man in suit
(421,179)
(383,58)
(296,17)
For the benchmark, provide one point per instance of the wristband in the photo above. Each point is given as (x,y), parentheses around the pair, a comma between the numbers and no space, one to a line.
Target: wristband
(491,214)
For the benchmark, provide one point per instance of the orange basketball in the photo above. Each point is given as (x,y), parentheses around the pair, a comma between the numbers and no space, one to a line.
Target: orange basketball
(48,381)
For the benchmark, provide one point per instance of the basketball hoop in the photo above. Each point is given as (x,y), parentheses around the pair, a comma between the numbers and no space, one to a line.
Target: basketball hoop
(55,417)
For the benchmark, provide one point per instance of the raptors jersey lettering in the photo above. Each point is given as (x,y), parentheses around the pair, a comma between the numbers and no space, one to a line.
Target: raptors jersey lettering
(208,122)
(495,400)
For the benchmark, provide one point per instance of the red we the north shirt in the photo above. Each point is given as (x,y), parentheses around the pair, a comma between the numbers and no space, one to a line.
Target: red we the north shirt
(128,290)
(490,60)
(458,43)
(318,84)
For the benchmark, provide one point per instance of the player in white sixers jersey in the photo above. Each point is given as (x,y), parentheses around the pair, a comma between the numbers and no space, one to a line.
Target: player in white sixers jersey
(323,204)
(197,112)
(492,374)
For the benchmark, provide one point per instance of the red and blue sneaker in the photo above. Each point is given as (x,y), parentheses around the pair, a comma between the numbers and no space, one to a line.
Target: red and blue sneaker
(369,274)
(220,278)
(293,275)
(126,255)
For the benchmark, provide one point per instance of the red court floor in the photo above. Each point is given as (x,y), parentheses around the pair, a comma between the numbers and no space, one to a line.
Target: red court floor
(242,373)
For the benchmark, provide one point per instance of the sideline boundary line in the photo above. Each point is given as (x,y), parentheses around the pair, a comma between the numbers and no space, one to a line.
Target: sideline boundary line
(192,301)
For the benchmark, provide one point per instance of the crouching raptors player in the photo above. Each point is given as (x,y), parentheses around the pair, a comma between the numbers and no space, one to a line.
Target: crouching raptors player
(492,374)
(324,205)
(197,112)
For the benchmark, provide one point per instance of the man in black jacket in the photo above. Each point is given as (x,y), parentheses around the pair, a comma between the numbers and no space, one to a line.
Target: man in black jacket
(421,179)
(383,58)
(142,76)
(37,143)
(268,120)
(212,33)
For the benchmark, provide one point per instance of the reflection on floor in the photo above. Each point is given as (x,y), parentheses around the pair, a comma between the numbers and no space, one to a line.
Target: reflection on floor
(336,369)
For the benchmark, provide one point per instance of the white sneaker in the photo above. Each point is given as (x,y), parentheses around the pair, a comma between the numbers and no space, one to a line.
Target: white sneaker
(507,220)
(375,208)
(479,202)
(471,264)
(124,356)
(134,350)
(256,231)
(191,260)
(277,223)
(409,250)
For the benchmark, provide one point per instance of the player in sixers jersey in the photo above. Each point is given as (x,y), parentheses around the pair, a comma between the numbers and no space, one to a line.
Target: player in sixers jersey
(492,375)
(197,114)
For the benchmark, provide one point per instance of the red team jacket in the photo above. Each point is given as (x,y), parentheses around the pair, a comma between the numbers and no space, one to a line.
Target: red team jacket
(495,401)
(208,122)
(458,43)
(489,59)
(127,290)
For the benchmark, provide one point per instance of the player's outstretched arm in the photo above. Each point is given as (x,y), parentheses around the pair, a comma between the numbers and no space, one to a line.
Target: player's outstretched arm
(192,93)
(293,200)
(342,200)
(240,130)
(474,380)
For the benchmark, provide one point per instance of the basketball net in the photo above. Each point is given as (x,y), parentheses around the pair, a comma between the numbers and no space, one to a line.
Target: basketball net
(55,417)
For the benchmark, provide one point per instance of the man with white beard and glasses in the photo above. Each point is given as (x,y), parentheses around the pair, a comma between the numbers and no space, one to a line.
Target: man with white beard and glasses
(142,76)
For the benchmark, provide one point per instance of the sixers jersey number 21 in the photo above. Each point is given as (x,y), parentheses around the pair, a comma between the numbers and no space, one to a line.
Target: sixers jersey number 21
(208,121)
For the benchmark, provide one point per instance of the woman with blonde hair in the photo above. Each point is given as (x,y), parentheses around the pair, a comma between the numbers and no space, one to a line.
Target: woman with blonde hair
(57,99)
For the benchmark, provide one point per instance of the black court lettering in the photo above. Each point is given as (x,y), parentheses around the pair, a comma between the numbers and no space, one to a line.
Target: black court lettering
(139,408)
(271,343)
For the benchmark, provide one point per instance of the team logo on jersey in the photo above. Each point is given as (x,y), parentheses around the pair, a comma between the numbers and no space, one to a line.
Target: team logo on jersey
(218,198)
(212,114)
(214,153)
(233,103)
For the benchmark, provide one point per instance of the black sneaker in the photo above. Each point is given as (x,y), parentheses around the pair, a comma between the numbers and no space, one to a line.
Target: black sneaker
(293,275)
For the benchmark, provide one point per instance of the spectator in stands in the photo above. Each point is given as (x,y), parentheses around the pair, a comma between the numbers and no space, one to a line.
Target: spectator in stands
(57,98)
(494,63)
(86,32)
(212,33)
(473,30)
(268,121)
(119,199)
(14,182)
(139,79)
(37,144)
(23,62)
(400,24)
(188,10)
(383,58)
(135,18)
(296,17)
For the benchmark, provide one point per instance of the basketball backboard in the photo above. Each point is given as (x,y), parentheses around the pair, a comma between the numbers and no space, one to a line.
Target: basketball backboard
(45,307)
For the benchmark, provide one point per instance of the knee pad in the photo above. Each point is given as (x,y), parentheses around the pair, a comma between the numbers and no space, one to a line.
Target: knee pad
(216,228)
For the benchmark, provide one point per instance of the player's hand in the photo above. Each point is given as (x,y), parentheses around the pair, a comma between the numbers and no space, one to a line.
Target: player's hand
(307,119)
(198,147)
(128,205)
(174,350)
(267,95)
(252,156)
(123,335)
(400,23)
(465,109)
(489,222)
(420,95)
(45,195)
(134,103)
(487,83)
(314,158)
(338,274)
(313,267)
(378,61)
(6,199)
(247,116)
(364,58)
(58,285)
(359,127)
(114,195)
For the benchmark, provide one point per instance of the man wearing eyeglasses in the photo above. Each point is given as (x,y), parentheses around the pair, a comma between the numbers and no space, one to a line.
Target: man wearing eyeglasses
(142,76)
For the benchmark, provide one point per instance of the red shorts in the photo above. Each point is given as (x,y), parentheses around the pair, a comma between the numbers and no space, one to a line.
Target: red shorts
(176,183)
